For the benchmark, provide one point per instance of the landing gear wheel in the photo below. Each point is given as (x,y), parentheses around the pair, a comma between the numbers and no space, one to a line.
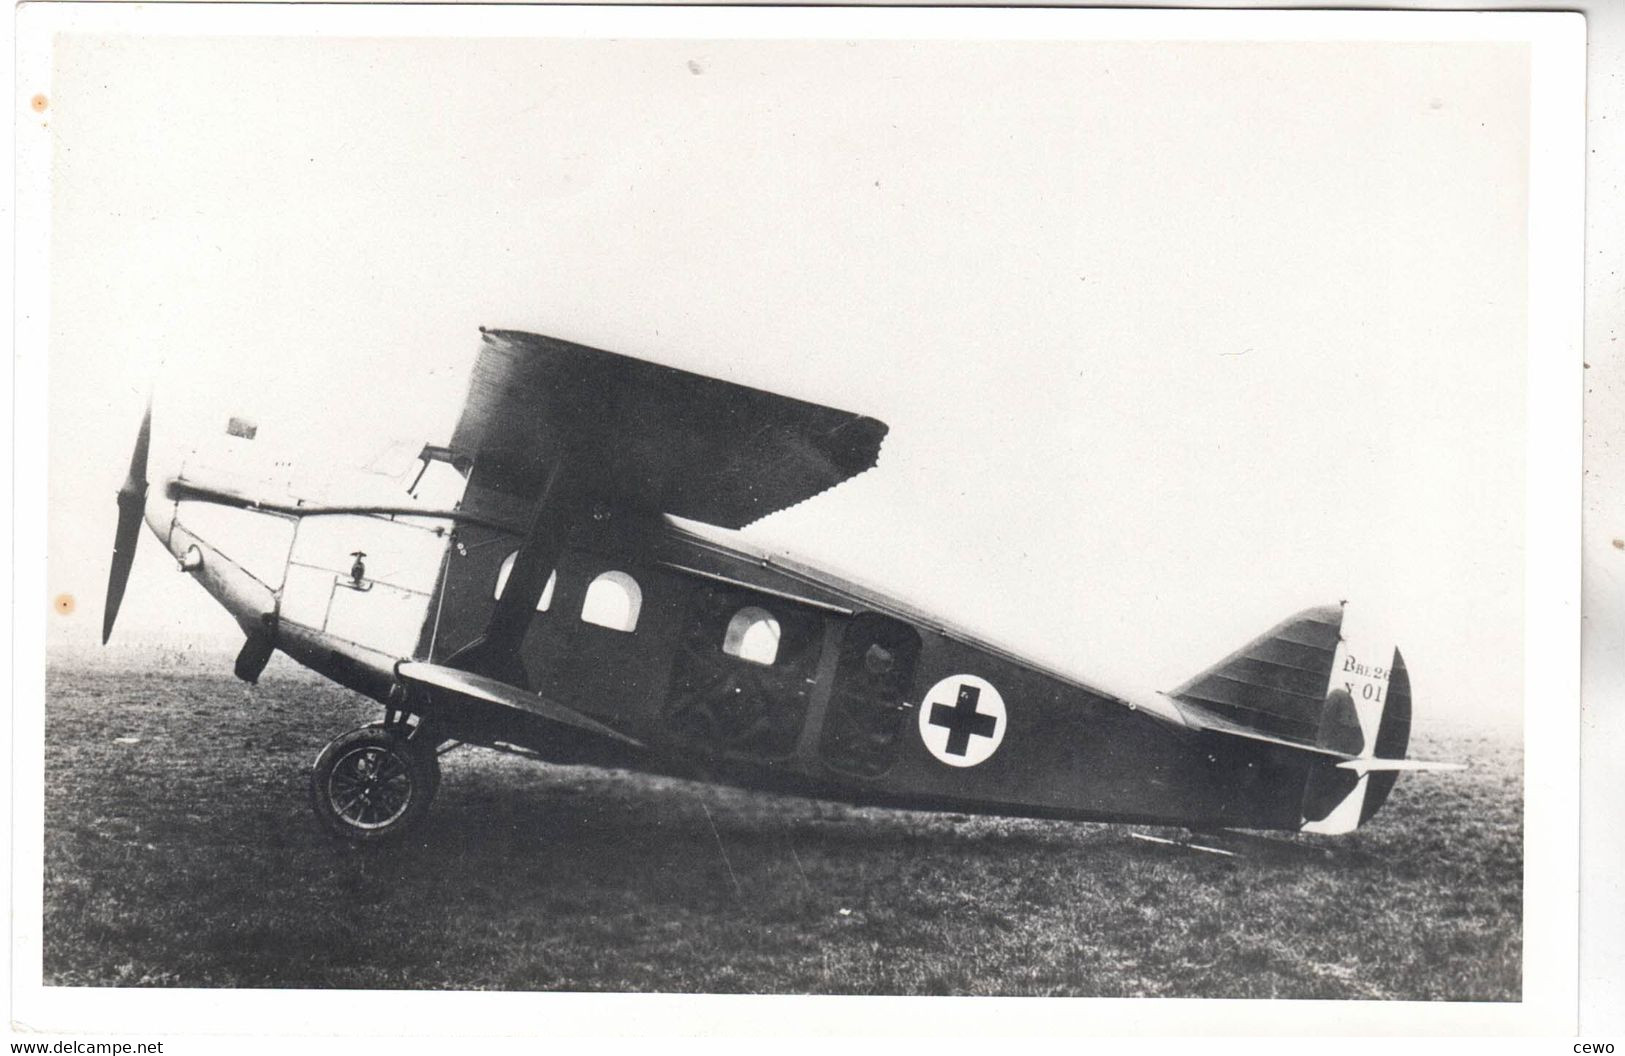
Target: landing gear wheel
(424,739)
(373,784)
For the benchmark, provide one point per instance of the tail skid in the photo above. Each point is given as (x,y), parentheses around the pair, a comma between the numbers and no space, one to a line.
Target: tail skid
(1229,843)
(1188,844)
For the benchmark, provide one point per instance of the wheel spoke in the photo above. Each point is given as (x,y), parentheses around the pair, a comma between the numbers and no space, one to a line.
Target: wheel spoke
(345,782)
(371,785)
(344,811)
(389,767)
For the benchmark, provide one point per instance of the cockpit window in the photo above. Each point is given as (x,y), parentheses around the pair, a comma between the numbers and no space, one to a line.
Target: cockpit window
(507,570)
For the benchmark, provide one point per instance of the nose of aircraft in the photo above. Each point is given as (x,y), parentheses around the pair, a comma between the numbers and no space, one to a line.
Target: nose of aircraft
(132,501)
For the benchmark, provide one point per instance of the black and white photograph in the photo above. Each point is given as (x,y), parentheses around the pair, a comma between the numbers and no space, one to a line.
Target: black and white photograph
(793,502)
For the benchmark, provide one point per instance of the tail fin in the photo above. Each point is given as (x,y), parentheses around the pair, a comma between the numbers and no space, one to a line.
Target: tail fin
(1299,684)
(1276,685)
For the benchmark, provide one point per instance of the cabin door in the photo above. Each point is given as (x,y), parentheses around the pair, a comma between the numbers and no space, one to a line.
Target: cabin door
(743,673)
(870,706)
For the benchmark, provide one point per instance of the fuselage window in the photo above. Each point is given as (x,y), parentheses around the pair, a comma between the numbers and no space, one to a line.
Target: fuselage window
(753,634)
(507,570)
(613,600)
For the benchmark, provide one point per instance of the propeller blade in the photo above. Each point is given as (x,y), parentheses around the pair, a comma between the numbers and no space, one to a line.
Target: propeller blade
(138,457)
(132,500)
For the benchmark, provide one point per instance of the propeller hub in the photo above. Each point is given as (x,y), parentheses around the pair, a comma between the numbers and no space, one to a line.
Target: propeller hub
(133,493)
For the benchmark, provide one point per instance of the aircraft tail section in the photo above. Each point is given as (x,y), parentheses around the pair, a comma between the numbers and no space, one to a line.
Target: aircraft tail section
(1393,737)
(1301,686)
(1340,797)
(1276,684)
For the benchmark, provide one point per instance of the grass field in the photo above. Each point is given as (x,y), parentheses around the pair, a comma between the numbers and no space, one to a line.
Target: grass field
(180,851)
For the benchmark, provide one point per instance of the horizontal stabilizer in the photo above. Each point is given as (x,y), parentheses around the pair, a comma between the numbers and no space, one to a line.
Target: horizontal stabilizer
(1367,765)
(1197,717)
(1202,720)
(491,690)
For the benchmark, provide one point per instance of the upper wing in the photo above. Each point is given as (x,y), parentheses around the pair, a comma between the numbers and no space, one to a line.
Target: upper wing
(651,436)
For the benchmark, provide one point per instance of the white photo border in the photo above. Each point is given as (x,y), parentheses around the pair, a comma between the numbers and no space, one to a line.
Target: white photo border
(1555,385)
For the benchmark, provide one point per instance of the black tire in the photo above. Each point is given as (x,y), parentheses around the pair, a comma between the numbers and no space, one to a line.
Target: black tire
(373,784)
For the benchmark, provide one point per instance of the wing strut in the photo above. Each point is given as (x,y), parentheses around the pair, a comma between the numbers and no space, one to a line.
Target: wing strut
(495,653)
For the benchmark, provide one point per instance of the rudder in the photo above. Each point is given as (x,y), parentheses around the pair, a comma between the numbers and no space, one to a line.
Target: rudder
(1393,737)
(1340,797)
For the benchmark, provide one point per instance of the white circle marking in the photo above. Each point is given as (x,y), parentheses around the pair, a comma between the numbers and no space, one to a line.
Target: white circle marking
(962,720)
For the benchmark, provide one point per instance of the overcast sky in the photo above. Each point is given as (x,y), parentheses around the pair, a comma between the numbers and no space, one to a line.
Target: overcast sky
(1173,339)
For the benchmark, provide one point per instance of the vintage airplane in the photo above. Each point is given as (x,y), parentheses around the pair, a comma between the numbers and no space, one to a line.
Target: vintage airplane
(555,608)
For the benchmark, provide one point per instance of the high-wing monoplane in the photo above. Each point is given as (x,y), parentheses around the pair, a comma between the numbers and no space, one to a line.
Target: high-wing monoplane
(557,607)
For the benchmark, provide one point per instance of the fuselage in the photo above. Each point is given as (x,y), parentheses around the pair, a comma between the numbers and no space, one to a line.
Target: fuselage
(725,663)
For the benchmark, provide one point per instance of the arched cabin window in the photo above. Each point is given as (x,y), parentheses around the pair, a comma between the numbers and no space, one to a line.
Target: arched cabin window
(753,634)
(613,600)
(507,570)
